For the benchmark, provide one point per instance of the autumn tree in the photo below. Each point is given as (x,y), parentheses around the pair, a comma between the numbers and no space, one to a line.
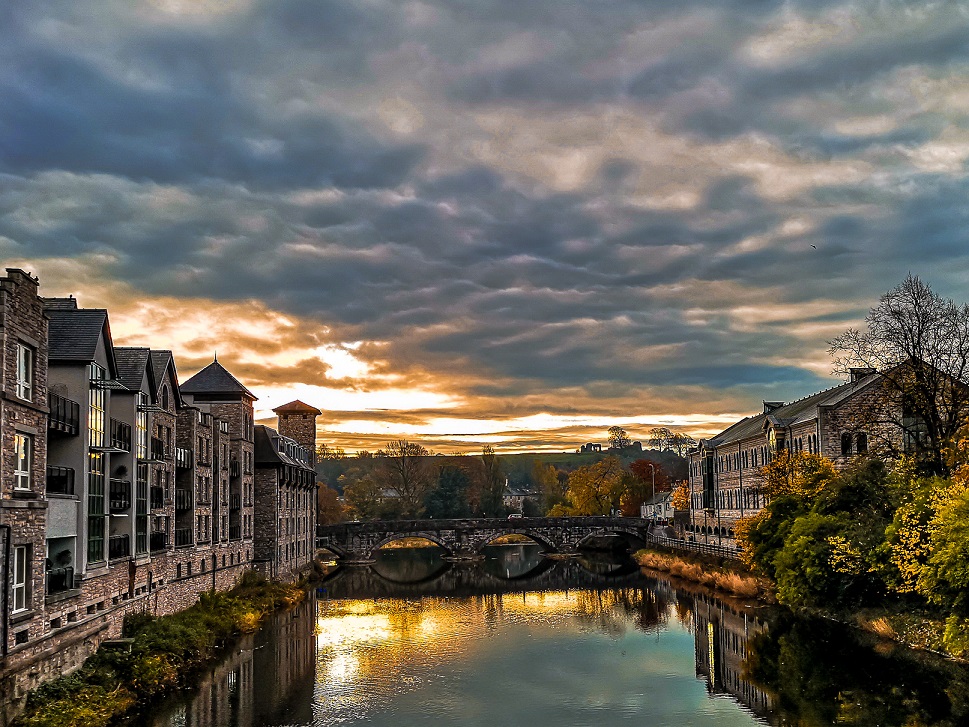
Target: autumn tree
(660,438)
(547,480)
(405,469)
(618,438)
(681,496)
(492,483)
(362,493)
(682,443)
(594,489)
(919,342)
(328,507)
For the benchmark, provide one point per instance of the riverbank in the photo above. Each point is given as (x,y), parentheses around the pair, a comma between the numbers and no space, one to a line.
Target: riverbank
(155,656)
(900,625)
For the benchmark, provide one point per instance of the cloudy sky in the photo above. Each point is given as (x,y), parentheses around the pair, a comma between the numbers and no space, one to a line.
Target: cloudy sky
(469,221)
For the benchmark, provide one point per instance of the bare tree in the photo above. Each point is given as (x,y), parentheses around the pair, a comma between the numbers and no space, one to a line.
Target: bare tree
(408,472)
(682,443)
(919,342)
(661,438)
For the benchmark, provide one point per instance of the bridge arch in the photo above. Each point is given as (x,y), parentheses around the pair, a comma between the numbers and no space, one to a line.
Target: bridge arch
(538,538)
(432,537)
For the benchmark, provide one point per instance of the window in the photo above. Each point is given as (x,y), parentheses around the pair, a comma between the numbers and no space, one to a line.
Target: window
(21,566)
(845,444)
(861,442)
(141,427)
(164,398)
(25,371)
(95,508)
(96,406)
(23,455)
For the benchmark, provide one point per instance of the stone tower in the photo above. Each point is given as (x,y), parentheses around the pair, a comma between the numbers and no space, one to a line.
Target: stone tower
(298,422)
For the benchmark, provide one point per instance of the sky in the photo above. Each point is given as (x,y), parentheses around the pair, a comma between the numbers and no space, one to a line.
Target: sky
(468,222)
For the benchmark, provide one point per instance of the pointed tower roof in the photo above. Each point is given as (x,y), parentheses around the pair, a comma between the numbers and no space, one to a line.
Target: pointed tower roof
(297,407)
(214,379)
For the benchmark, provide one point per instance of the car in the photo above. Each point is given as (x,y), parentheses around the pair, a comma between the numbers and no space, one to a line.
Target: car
(515,516)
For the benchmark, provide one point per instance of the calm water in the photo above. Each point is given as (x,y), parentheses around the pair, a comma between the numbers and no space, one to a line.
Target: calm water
(521,640)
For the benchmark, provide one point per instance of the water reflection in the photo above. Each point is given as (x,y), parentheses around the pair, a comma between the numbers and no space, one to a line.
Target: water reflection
(521,640)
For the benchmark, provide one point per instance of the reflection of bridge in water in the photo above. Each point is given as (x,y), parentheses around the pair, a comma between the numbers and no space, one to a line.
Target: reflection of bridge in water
(442,579)
(356,542)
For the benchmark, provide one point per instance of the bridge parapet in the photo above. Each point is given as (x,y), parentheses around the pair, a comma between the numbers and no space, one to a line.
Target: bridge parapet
(466,537)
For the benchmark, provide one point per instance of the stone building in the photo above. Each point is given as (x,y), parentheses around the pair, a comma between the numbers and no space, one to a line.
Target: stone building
(725,470)
(286,491)
(120,489)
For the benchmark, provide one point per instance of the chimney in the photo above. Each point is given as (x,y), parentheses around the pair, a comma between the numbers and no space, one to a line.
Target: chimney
(298,422)
(857,374)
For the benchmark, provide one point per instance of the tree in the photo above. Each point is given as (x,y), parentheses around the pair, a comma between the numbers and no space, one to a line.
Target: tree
(919,342)
(362,493)
(618,438)
(681,496)
(492,483)
(682,443)
(328,507)
(548,480)
(450,498)
(405,469)
(594,489)
(660,438)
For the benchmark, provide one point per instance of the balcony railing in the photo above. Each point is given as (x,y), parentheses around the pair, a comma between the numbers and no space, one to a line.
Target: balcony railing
(158,541)
(156,450)
(234,470)
(119,546)
(119,495)
(60,480)
(183,499)
(235,532)
(60,580)
(65,415)
(120,435)
(157,497)
(183,458)
(183,537)
(235,502)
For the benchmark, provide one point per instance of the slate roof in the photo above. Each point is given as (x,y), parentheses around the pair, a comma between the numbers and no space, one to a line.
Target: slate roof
(296,407)
(797,412)
(131,366)
(73,333)
(265,452)
(214,379)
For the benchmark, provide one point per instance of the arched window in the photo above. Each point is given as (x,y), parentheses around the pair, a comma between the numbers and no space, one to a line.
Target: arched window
(165,398)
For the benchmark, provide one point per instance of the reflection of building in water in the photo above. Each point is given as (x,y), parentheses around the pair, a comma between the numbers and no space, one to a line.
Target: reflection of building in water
(720,639)
(281,657)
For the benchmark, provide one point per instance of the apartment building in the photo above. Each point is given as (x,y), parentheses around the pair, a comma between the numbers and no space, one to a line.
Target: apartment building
(725,470)
(121,489)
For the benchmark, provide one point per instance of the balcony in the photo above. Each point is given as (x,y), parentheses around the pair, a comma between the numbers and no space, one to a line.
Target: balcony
(183,458)
(65,415)
(119,546)
(183,499)
(119,498)
(156,451)
(234,470)
(235,502)
(157,497)
(158,541)
(235,532)
(60,580)
(183,537)
(120,434)
(60,480)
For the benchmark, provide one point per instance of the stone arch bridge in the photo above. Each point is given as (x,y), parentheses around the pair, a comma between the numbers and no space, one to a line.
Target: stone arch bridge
(465,538)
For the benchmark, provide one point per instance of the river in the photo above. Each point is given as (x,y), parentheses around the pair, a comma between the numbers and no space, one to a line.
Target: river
(522,640)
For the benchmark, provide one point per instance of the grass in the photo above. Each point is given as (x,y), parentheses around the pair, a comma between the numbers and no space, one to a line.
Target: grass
(718,577)
(165,654)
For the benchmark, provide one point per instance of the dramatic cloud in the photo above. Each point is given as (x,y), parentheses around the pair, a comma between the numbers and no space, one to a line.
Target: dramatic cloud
(490,221)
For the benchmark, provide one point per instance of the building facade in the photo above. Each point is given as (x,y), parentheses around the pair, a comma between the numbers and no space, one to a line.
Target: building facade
(120,489)
(725,471)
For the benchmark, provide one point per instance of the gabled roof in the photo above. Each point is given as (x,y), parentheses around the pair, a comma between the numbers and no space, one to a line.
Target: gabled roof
(297,407)
(214,379)
(73,333)
(797,412)
(161,362)
(132,363)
